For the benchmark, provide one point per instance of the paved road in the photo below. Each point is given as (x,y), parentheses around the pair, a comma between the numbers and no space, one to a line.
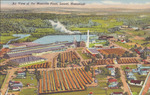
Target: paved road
(146,85)
(125,85)
(5,85)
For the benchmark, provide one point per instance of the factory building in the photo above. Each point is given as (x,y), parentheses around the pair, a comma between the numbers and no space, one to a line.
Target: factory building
(39,49)
(27,60)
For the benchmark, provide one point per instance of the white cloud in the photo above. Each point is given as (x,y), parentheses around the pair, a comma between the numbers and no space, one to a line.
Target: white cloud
(70,2)
(147,3)
(110,2)
(133,3)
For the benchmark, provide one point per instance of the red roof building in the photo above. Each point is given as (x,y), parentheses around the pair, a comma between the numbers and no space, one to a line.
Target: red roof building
(20,71)
(110,67)
(136,81)
(117,93)
(112,80)
(127,68)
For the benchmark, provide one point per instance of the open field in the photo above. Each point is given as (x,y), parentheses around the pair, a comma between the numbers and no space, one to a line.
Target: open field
(124,45)
(130,66)
(135,89)
(92,44)
(30,78)
(84,56)
(2,77)
(5,39)
(137,37)
(28,90)
(141,42)
(102,27)
(140,77)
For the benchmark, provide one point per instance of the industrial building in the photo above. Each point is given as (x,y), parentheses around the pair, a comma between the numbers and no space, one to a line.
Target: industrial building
(27,60)
(93,51)
(21,45)
(39,49)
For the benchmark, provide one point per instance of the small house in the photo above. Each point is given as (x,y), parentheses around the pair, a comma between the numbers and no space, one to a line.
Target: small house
(112,83)
(134,70)
(135,82)
(97,72)
(127,69)
(98,46)
(143,71)
(110,67)
(16,88)
(117,93)
(21,74)
(123,41)
(112,72)
(15,84)
(130,76)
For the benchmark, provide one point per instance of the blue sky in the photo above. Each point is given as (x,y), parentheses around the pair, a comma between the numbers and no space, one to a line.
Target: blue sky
(87,1)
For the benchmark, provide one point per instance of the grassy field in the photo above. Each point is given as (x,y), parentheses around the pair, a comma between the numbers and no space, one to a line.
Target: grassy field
(32,91)
(5,39)
(140,42)
(28,80)
(124,45)
(92,44)
(141,34)
(1,60)
(130,66)
(135,89)
(103,26)
(140,77)
(84,56)
(2,77)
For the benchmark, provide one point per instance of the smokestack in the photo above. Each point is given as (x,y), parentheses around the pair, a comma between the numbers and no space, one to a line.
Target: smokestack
(80,37)
(87,43)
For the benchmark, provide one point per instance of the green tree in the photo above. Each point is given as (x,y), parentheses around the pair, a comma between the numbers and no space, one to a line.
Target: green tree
(87,68)
(120,84)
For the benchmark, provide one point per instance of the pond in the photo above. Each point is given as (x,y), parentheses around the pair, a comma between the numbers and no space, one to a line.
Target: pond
(19,36)
(60,38)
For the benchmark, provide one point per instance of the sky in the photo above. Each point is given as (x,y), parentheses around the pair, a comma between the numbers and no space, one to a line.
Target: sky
(107,2)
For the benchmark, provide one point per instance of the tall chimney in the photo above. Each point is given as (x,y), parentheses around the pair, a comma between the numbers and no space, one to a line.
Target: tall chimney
(87,43)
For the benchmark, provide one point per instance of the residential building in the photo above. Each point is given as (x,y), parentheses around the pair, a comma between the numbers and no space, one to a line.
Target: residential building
(135,82)
(21,74)
(112,83)
(117,93)
(15,84)
(130,76)
(16,88)
(143,71)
